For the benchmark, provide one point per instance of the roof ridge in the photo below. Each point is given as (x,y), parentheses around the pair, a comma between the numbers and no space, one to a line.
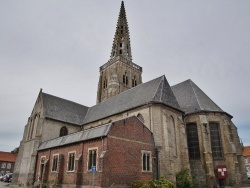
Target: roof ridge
(158,86)
(64,99)
(195,94)
(127,91)
(182,82)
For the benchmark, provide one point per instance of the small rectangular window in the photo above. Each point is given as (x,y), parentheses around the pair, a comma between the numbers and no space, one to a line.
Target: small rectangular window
(92,158)
(43,159)
(55,161)
(146,161)
(71,162)
(3,165)
(8,165)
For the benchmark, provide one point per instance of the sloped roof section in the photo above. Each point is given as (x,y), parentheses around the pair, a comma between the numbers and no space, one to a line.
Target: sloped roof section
(157,90)
(246,151)
(63,110)
(165,94)
(192,99)
(7,156)
(88,134)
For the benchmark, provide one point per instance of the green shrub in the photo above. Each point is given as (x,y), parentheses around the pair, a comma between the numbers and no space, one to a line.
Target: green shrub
(199,184)
(161,183)
(183,180)
(136,184)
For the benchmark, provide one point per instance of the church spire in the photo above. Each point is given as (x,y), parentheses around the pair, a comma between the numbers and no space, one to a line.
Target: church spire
(119,73)
(121,44)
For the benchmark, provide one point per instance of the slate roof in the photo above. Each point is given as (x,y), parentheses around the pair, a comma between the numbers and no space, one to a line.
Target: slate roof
(88,134)
(157,90)
(192,99)
(63,110)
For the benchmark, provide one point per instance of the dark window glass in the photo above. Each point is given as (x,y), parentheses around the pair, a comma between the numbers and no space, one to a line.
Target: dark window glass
(193,141)
(63,131)
(230,133)
(55,161)
(215,140)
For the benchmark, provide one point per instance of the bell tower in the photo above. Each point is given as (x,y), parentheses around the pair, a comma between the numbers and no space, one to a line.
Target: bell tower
(119,73)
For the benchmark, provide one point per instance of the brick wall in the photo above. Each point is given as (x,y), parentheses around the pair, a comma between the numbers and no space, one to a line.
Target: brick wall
(119,158)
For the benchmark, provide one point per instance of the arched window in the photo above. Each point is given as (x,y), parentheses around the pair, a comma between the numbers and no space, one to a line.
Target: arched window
(140,117)
(63,131)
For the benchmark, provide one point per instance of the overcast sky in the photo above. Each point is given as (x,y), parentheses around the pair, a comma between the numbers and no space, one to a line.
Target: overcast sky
(59,46)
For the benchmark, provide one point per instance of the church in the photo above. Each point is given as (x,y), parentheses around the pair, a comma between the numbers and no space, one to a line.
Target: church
(136,131)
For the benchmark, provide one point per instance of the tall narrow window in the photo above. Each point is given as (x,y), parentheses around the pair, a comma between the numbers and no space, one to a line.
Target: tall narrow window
(63,131)
(231,136)
(54,165)
(125,79)
(92,158)
(193,141)
(105,83)
(134,83)
(146,161)
(71,162)
(215,140)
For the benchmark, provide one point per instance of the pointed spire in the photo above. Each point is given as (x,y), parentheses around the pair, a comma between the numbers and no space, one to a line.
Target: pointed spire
(121,44)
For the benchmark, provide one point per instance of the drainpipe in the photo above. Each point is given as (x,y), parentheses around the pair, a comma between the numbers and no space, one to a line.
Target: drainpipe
(157,163)
(150,116)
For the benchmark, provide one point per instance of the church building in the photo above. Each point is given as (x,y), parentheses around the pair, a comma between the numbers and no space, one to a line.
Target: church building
(136,131)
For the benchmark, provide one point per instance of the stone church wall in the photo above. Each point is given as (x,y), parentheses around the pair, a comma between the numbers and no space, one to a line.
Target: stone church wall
(170,139)
(204,168)
(51,129)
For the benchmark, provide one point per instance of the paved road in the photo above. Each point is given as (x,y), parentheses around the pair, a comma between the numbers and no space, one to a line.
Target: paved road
(3,184)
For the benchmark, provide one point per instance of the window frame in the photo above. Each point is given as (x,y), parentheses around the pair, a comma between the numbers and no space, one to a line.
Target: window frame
(9,165)
(64,131)
(194,152)
(3,165)
(89,168)
(54,166)
(69,162)
(148,162)
(214,148)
